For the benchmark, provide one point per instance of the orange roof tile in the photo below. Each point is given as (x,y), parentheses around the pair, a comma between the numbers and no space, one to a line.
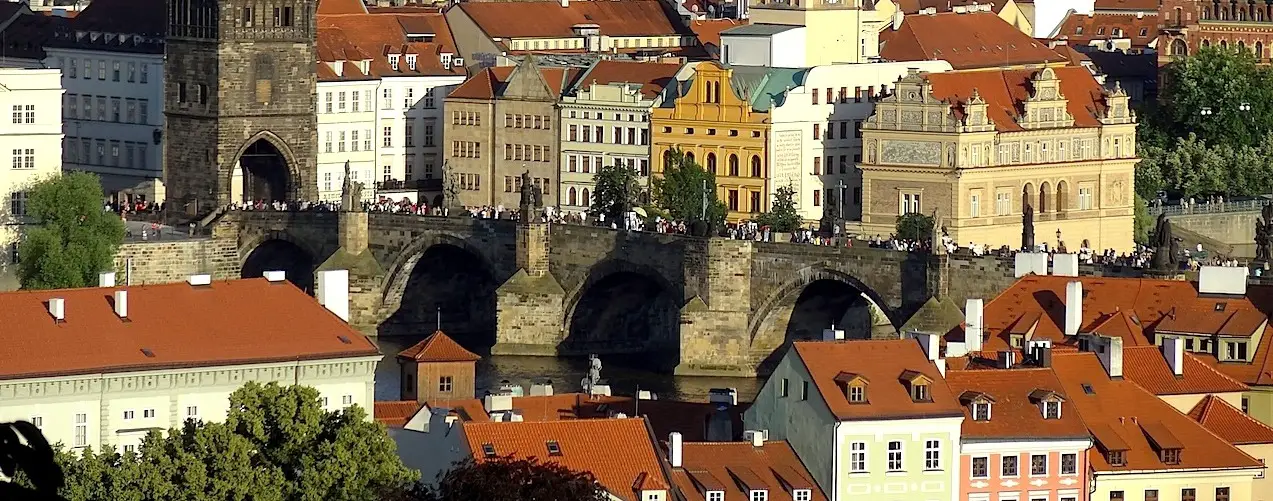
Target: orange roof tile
(1230,423)
(329,7)
(489,84)
(171,325)
(1015,413)
(729,466)
(882,363)
(1005,90)
(967,41)
(914,6)
(466,409)
(357,37)
(438,347)
(618,452)
(708,30)
(395,414)
(1143,5)
(626,18)
(653,77)
(1080,29)
(1122,416)
(1147,366)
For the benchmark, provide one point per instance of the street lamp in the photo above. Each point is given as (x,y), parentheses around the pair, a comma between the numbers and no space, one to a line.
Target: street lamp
(1205,111)
(1244,106)
(1058,238)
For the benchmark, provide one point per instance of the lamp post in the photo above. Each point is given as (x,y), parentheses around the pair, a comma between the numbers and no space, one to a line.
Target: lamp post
(839,210)
(1058,239)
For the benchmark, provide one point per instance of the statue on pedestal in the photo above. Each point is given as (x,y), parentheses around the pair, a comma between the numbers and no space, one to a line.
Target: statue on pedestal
(350,193)
(1264,234)
(1027,229)
(1166,249)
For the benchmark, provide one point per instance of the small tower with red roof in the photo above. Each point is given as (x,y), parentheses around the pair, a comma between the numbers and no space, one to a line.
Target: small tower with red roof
(437,368)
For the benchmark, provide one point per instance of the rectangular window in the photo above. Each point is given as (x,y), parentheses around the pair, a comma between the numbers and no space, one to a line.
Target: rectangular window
(1189,494)
(817,165)
(857,457)
(192,411)
(37,421)
(1009,464)
(817,131)
(974,205)
(932,455)
(804,390)
(980,467)
(1151,494)
(445,383)
(148,413)
(1085,198)
(115,71)
(340,144)
(715,495)
(81,430)
(1039,464)
(1222,494)
(895,456)
(129,414)
(1069,464)
(814,95)
(388,137)
(1116,496)
(1003,203)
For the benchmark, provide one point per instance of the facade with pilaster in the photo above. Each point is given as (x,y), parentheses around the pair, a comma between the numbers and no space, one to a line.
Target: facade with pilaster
(31,149)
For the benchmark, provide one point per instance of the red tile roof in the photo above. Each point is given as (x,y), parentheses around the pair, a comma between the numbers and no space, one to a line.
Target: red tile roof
(1143,5)
(438,347)
(708,30)
(1230,423)
(653,77)
(728,466)
(1014,413)
(467,409)
(1005,90)
(1147,366)
(330,7)
(395,414)
(1123,416)
(911,7)
(618,452)
(967,41)
(625,18)
(883,364)
(1080,29)
(225,323)
(356,37)
(489,84)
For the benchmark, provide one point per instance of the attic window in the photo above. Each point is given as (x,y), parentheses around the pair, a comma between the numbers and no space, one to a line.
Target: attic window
(1220,306)
(981,411)
(758,495)
(344,340)
(411,62)
(1116,458)
(393,61)
(857,393)
(1052,409)
(715,496)
(1144,32)
(919,392)
(148,353)
(1087,388)
(554,448)
(1100,31)
(1169,456)
(488,450)
(1078,30)
(802,494)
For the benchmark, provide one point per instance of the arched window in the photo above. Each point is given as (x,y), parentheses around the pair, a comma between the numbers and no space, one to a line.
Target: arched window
(667,159)
(1224,44)
(572,197)
(1206,43)
(1178,48)
(1045,190)
(1027,197)
(755,166)
(711,163)
(689,156)
(1241,46)
(1259,50)
(1062,196)
(716,93)
(585,198)
(733,165)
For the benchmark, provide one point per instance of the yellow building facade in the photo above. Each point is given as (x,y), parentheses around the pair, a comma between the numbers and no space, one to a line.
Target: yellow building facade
(977,147)
(838,31)
(718,128)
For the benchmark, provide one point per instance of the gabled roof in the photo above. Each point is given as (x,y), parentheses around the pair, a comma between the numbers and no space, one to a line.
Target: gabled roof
(977,40)
(1147,366)
(1006,91)
(356,37)
(175,325)
(1123,416)
(735,467)
(620,453)
(652,77)
(331,7)
(1015,412)
(395,414)
(1230,423)
(1081,29)
(911,7)
(935,316)
(709,30)
(438,347)
(552,20)
(1143,5)
(141,17)
(490,82)
(881,361)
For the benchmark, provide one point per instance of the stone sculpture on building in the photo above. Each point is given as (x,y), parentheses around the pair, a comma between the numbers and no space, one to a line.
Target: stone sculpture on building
(1264,234)
(1027,228)
(1166,249)
(350,193)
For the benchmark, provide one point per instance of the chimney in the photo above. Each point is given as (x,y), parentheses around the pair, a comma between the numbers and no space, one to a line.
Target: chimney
(1110,351)
(496,403)
(57,308)
(727,396)
(928,343)
(106,279)
(1173,349)
(832,334)
(973,311)
(1222,280)
(541,389)
(1007,359)
(199,280)
(276,275)
(756,437)
(897,19)
(121,304)
(1073,307)
(565,3)
(333,292)
(674,450)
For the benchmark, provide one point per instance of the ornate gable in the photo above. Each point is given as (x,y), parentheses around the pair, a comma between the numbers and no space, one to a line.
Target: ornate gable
(912,107)
(1046,108)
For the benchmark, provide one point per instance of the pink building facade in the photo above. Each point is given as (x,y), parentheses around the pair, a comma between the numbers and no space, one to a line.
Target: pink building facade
(1024,471)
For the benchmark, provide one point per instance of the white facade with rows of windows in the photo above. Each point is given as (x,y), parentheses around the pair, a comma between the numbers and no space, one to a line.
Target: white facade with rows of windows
(389,130)
(113,113)
(30,148)
(605,124)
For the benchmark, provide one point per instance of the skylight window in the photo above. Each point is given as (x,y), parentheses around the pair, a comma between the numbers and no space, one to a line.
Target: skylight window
(554,448)
(1087,388)
(488,450)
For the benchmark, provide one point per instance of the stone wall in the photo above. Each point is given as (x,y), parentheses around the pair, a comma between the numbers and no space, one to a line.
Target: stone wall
(158,262)
(1233,228)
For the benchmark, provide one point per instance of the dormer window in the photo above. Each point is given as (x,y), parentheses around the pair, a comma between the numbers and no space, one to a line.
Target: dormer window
(411,62)
(919,392)
(1052,410)
(446,60)
(393,61)
(1049,402)
(917,386)
(1169,456)
(857,394)
(981,411)
(978,403)
(1116,458)
(802,495)
(758,495)
(715,496)
(854,386)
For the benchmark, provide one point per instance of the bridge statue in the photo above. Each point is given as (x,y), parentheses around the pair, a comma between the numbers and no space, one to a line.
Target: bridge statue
(350,193)
(1264,234)
(1166,249)
(1027,228)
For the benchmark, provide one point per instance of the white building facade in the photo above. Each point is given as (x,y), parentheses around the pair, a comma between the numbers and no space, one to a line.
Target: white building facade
(603,124)
(771,45)
(816,142)
(31,135)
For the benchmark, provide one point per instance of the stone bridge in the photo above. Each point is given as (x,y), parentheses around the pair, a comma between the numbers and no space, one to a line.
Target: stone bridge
(705,306)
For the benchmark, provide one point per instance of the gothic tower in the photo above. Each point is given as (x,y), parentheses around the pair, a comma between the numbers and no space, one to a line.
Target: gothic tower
(239,91)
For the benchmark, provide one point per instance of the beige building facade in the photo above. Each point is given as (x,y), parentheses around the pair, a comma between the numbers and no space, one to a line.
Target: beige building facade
(838,31)
(956,145)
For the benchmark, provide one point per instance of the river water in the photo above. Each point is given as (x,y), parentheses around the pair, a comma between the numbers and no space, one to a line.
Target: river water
(624,373)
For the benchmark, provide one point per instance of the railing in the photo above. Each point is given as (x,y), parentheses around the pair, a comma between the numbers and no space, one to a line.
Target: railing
(1209,207)
(415,184)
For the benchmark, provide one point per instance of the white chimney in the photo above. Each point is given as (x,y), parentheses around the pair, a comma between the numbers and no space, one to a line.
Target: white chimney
(57,308)
(496,403)
(1065,265)
(1173,349)
(276,275)
(565,3)
(1110,351)
(756,437)
(106,279)
(1073,307)
(973,312)
(1228,280)
(1007,359)
(897,20)
(832,334)
(544,389)
(333,292)
(928,343)
(121,304)
(195,280)
(674,449)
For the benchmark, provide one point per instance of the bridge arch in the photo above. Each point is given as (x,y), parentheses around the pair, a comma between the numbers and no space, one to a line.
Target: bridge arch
(446,275)
(279,250)
(811,301)
(623,307)
(274,177)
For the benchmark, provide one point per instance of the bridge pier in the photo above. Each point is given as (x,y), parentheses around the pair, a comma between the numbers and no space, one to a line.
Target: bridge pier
(714,335)
(529,305)
(364,272)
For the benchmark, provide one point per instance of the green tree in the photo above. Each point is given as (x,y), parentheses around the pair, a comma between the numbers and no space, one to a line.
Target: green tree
(682,188)
(1142,223)
(508,478)
(782,215)
(1208,93)
(615,192)
(73,238)
(276,443)
(915,226)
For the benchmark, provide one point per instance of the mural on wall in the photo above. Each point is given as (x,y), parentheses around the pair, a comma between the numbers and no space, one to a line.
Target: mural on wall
(910,152)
